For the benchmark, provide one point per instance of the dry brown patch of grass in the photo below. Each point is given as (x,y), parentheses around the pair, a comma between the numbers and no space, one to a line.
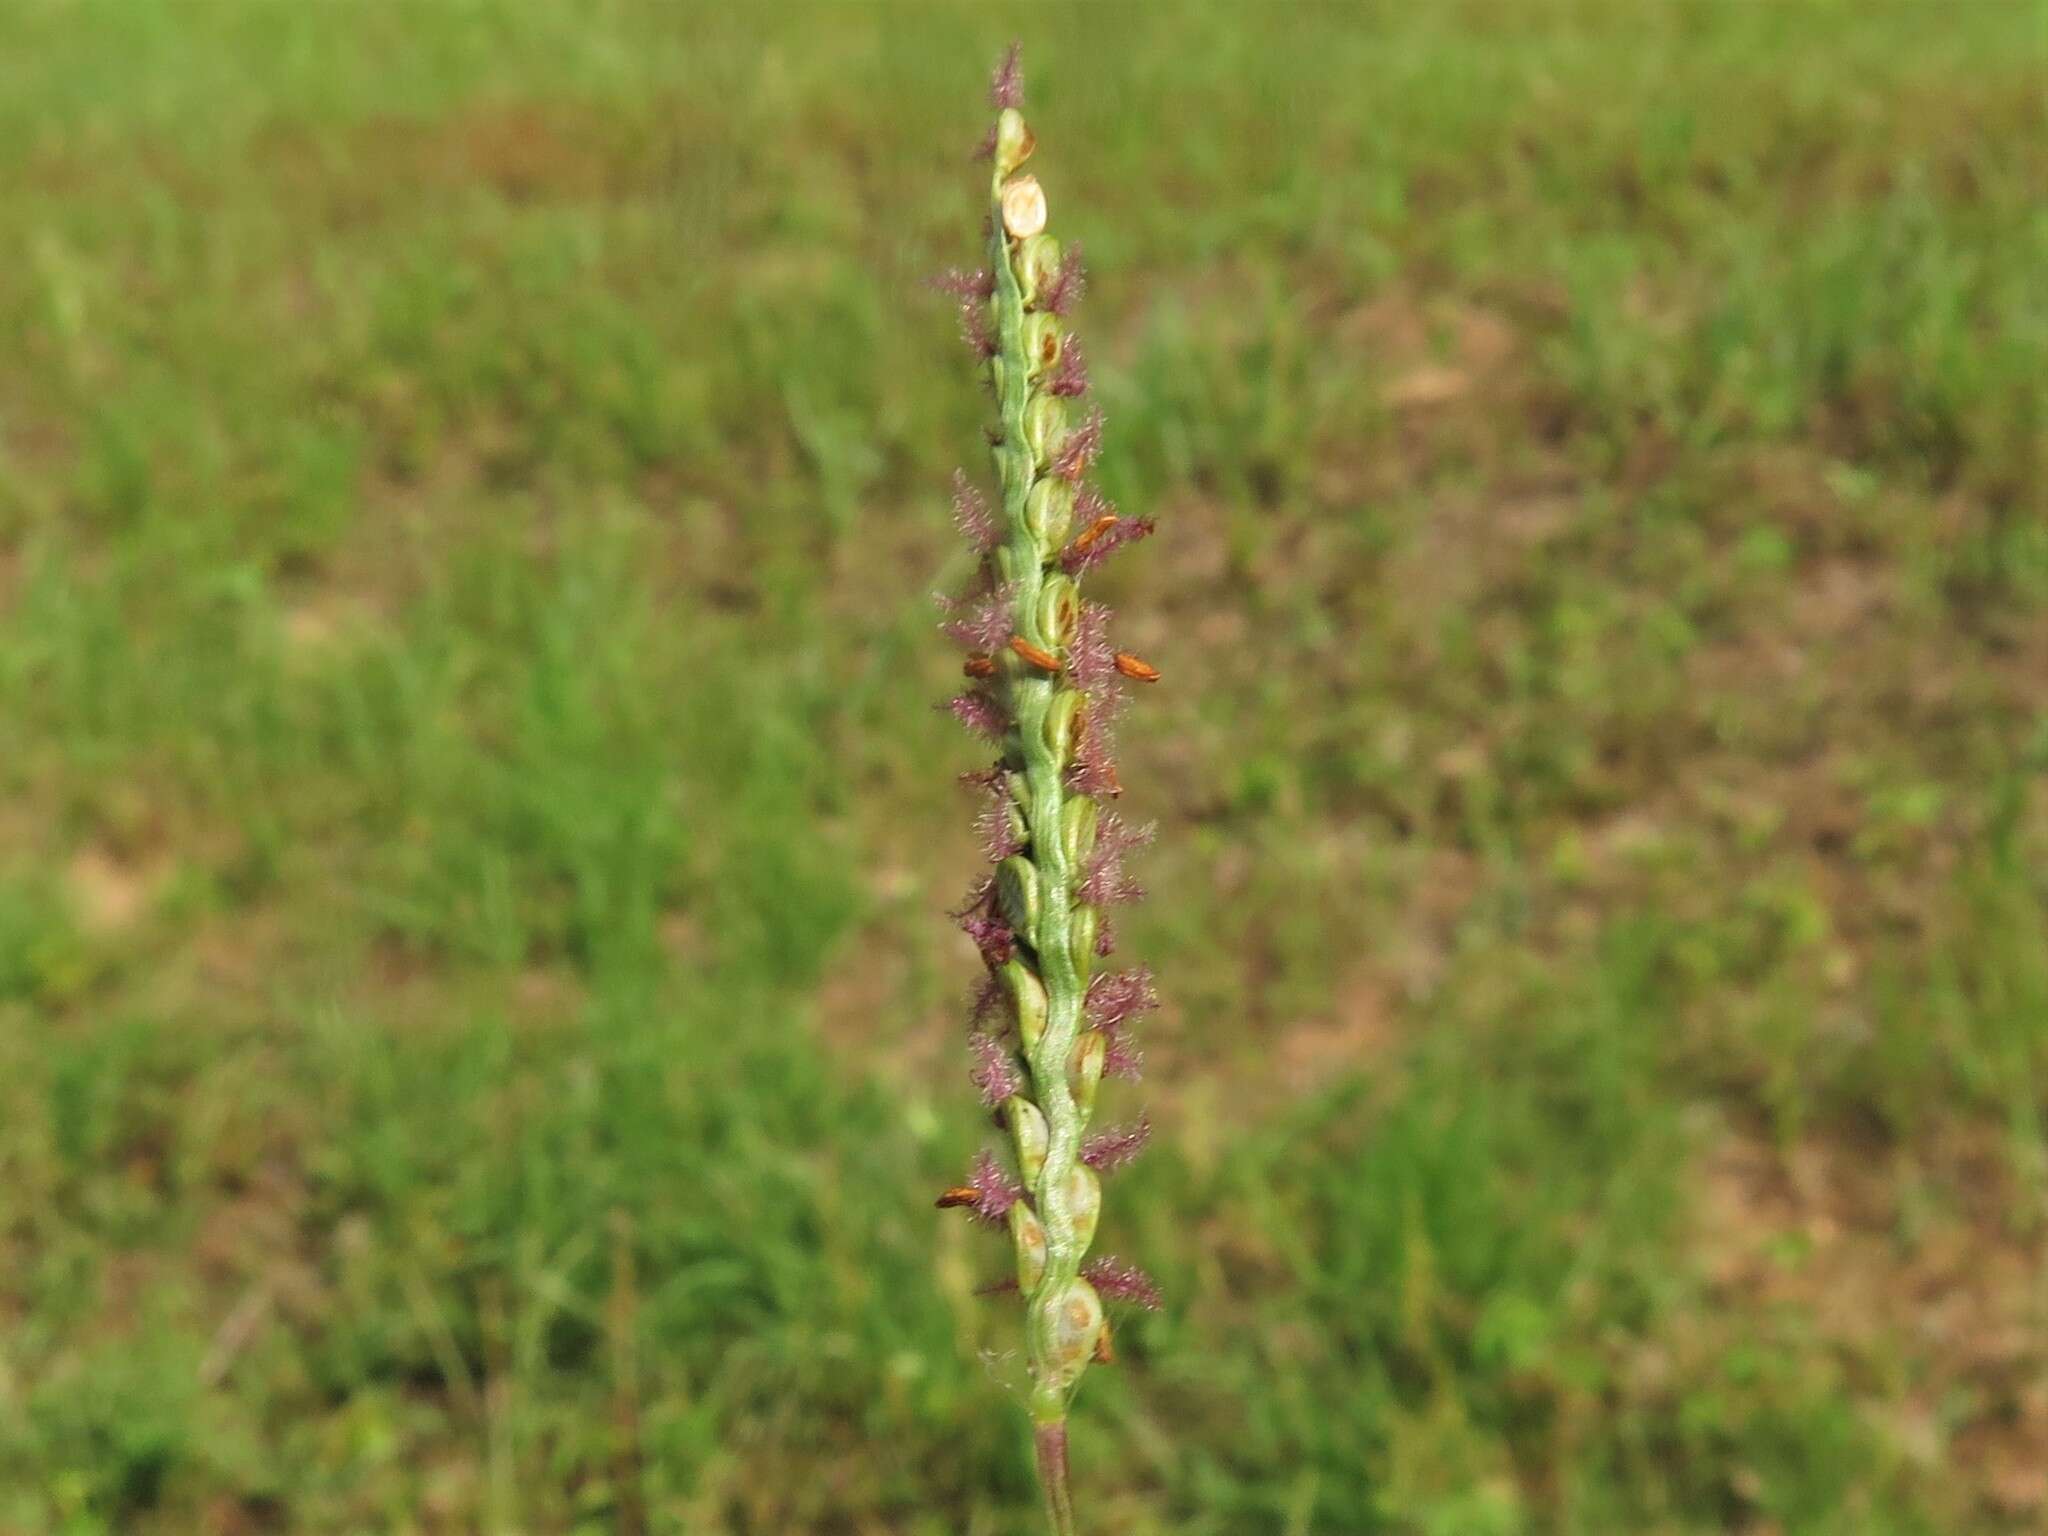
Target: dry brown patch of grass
(1891,1257)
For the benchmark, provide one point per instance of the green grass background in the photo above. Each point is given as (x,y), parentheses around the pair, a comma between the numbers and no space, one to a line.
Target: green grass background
(478,1035)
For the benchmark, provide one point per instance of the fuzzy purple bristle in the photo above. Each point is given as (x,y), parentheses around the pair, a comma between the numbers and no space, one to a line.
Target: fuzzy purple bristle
(1117,997)
(987,1003)
(992,936)
(1091,659)
(1066,285)
(1006,85)
(979,713)
(996,828)
(1116,1147)
(1071,377)
(995,1191)
(1125,530)
(1079,450)
(1123,1058)
(1114,1280)
(994,1072)
(981,621)
(963,284)
(973,516)
(1104,881)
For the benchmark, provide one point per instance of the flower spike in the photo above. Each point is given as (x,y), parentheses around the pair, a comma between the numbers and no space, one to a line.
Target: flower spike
(1046,687)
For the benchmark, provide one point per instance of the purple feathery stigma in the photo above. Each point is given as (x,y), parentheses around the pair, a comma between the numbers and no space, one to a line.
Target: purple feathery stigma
(972,514)
(1071,377)
(979,713)
(1067,284)
(995,1071)
(1114,1148)
(1079,450)
(1122,1058)
(997,828)
(1006,86)
(981,620)
(1104,881)
(1089,509)
(1117,997)
(987,1003)
(1091,660)
(1114,1280)
(994,1190)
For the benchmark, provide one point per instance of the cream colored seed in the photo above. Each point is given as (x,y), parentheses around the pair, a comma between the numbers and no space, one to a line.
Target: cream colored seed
(1023,207)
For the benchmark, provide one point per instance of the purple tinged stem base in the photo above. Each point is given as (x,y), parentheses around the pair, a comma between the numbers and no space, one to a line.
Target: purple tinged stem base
(1051,1441)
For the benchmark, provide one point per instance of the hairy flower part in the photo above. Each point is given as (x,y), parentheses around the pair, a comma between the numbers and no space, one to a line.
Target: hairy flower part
(980,920)
(1063,291)
(973,516)
(1081,448)
(994,1072)
(1006,85)
(992,936)
(980,621)
(991,1190)
(1070,378)
(1091,661)
(1122,1058)
(1102,537)
(964,285)
(1114,1280)
(1104,881)
(974,328)
(986,1004)
(1095,775)
(1114,1148)
(996,826)
(1115,1000)
(971,290)
(979,713)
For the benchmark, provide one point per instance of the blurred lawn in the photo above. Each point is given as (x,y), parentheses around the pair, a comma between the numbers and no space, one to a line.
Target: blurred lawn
(478,1038)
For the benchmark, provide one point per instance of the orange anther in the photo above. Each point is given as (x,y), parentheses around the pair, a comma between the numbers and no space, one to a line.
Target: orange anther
(953,1197)
(1095,530)
(1044,660)
(1132,667)
(979,666)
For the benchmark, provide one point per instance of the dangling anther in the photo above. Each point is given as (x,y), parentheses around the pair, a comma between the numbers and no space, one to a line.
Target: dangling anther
(953,1197)
(1104,1354)
(1135,669)
(979,666)
(1045,661)
(1095,530)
